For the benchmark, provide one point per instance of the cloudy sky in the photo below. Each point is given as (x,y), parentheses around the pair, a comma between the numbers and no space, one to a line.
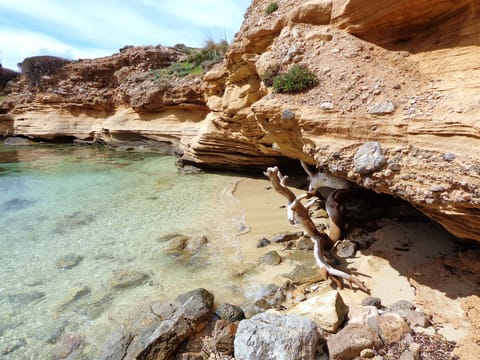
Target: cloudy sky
(92,28)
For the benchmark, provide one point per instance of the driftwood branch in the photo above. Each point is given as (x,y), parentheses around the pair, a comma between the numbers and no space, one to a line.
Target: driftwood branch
(298,212)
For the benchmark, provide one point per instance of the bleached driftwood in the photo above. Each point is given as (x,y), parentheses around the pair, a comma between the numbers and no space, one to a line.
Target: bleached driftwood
(297,212)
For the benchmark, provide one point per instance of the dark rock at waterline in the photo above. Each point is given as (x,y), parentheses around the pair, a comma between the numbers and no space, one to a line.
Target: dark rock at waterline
(18,141)
(127,279)
(17,204)
(159,336)
(302,274)
(68,262)
(257,307)
(276,336)
(94,309)
(270,258)
(263,242)
(286,236)
(230,312)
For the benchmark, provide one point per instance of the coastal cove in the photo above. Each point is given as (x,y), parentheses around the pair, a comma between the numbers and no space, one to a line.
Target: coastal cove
(81,243)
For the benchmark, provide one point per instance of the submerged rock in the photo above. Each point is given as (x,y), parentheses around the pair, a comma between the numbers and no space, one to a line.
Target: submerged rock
(24,299)
(68,262)
(127,279)
(12,346)
(17,204)
(77,293)
(157,336)
(72,221)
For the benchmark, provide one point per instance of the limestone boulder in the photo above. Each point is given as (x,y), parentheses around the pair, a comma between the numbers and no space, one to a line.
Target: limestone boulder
(327,310)
(271,335)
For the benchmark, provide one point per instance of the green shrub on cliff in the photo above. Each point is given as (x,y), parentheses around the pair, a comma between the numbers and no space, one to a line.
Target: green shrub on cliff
(298,78)
(201,60)
(161,78)
(271,8)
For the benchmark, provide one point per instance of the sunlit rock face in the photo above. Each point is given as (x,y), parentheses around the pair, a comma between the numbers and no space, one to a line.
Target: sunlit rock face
(403,75)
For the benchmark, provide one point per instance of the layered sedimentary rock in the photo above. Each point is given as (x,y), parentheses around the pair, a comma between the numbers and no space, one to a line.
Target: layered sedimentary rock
(403,75)
(123,99)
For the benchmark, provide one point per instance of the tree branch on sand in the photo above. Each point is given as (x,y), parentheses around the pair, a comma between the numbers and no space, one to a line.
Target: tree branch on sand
(297,212)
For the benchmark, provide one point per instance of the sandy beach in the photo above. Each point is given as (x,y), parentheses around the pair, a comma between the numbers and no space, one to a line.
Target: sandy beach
(414,261)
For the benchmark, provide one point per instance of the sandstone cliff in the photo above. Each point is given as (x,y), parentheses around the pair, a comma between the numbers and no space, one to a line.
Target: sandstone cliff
(403,75)
(124,99)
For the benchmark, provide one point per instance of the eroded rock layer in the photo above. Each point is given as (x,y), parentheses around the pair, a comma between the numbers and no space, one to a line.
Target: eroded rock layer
(403,74)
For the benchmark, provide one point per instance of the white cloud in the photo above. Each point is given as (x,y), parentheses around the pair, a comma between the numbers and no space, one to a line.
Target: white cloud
(17,45)
(92,28)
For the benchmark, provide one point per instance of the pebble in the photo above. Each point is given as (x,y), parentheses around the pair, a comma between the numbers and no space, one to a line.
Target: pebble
(372,301)
(346,248)
(263,242)
(367,353)
(449,156)
(327,105)
(287,114)
(382,108)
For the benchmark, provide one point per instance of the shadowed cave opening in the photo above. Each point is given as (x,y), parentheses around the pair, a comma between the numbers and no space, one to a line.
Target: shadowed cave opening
(363,207)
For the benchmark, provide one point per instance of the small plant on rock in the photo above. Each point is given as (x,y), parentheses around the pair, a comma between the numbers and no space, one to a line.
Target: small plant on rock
(298,78)
(271,8)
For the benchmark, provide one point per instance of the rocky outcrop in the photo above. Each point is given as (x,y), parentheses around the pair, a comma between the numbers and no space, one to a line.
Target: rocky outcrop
(408,84)
(402,75)
(128,98)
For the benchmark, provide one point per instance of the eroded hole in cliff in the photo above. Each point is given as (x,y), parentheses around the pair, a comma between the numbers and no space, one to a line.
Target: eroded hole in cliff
(361,210)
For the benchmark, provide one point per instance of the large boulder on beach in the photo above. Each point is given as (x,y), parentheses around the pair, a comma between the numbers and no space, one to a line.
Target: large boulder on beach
(271,335)
(157,334)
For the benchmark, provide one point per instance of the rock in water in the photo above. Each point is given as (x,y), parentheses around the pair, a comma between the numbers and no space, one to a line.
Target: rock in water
(157,334)
(68,262)
(127,279)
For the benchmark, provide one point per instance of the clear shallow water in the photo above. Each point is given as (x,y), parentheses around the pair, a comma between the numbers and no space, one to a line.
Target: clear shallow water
(106,209)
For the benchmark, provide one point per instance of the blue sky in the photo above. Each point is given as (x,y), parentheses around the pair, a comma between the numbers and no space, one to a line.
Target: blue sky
(93,28)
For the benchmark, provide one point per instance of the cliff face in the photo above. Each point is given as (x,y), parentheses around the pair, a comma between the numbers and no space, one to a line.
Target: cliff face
(403,74)
(124,99)
(400,75)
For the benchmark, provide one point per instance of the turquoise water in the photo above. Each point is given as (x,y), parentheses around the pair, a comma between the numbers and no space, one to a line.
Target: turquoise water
(74,217)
